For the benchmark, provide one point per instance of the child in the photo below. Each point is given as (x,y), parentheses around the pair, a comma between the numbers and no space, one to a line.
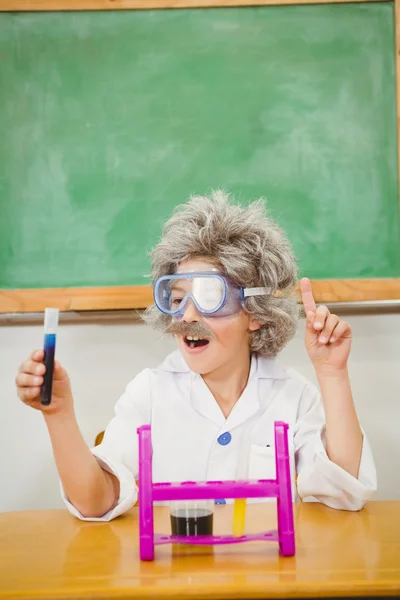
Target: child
(223,275)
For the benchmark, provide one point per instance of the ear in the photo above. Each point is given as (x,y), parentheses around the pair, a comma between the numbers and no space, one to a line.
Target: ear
(254,325)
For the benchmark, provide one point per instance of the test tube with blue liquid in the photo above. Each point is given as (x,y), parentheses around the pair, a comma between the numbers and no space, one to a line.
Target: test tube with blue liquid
(49,348)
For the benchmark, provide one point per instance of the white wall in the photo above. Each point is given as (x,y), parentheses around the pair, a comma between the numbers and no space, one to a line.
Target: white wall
(102,356)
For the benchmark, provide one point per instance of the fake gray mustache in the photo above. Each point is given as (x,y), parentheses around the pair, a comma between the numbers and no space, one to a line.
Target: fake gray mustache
(194,329)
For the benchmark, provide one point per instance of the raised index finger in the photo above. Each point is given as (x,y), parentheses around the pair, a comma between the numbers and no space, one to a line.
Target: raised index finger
(307,296)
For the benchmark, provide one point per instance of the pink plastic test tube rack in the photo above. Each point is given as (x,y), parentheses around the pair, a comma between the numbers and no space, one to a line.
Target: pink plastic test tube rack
(279,488)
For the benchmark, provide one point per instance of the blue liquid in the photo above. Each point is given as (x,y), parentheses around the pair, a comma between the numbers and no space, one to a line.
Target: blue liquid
(49,348)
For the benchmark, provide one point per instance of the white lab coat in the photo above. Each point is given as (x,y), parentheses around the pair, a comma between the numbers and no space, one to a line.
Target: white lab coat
(186,423)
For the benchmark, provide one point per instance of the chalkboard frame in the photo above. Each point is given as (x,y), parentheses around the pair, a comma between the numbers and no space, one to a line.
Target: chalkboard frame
(138,297)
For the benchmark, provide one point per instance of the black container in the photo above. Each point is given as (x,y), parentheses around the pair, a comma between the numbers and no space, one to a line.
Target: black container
(192,521)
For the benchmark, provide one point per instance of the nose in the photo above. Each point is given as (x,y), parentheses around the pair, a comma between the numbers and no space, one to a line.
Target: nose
(190,313)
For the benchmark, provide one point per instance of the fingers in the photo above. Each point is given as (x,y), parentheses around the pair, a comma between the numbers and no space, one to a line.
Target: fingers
(27,380)
(327,326)
(341,331)
(30,379)
(307,295)
(316,319)
(327,331)
(32,367)
(28,394)
(28,386)
(321,315)
(34,363)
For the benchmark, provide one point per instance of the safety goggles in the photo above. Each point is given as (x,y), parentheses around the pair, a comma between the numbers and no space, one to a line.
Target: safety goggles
(213,294)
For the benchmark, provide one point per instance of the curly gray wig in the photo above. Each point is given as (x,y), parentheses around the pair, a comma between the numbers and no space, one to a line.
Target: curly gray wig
(250,248)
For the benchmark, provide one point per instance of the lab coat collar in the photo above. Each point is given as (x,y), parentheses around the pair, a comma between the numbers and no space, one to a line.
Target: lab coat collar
(248,404)
(261,367)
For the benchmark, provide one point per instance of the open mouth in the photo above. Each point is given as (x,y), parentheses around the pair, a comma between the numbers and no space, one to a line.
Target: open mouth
(193,341)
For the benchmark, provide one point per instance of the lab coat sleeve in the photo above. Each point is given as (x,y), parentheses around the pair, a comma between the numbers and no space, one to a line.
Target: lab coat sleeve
(318,478)
(118,451)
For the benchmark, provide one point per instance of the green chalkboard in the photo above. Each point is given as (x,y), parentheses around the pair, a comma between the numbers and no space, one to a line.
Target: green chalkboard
(110,119)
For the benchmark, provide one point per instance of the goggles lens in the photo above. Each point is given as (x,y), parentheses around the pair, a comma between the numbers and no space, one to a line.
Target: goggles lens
(207,291)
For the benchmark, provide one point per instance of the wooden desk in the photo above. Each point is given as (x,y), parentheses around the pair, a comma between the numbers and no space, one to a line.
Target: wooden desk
(50,554)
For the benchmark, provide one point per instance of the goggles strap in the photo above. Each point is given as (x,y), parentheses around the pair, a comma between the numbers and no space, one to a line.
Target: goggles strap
(256,291)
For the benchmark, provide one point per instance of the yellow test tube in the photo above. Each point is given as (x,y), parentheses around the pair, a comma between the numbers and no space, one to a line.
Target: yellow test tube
(239,516)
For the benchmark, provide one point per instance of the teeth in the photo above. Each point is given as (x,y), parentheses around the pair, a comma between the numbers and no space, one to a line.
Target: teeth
(194,338)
